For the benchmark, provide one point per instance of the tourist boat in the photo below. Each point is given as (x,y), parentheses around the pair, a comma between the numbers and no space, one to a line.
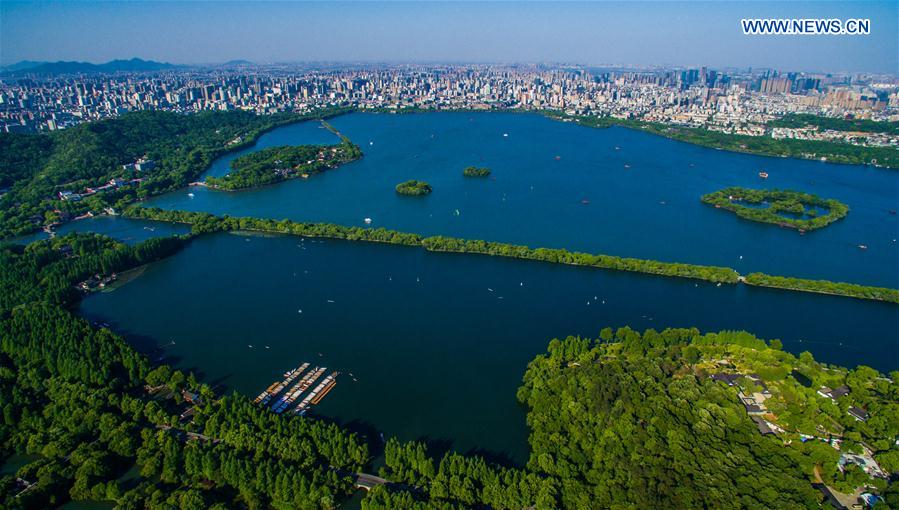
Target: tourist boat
(191,195)
(505,135)
(367,221)
(763,175)
(626,165)
(863,247)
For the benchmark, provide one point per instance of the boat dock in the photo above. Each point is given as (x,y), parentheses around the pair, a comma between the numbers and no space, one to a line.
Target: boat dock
(277,387)
(318,393)
(294,393)
(281,395)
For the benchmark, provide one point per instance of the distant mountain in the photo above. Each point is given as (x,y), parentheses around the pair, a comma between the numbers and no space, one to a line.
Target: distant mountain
(25,64)
(133,65)
(238,63)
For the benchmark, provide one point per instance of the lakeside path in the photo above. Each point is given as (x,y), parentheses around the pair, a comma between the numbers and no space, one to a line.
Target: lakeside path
(202,223)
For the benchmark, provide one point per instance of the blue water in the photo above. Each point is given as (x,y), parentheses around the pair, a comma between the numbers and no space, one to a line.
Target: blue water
(311,132)
(129,231)
(650,210)
(438,355)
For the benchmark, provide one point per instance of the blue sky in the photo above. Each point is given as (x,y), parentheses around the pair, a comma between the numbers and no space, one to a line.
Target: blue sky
(640,33)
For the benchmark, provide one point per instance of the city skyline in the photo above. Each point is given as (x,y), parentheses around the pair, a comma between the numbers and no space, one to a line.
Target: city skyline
(676,34)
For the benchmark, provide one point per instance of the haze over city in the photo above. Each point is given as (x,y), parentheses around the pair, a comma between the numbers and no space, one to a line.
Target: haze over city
(600,33)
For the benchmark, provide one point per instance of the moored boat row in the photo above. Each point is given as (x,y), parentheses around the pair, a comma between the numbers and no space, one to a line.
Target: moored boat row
(277,387)
(294,393)
(318,393)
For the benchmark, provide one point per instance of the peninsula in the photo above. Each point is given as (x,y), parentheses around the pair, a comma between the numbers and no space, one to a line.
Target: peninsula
(276,164)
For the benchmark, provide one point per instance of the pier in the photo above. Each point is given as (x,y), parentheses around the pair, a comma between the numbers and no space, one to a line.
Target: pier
(277,387)
(291,391)
(318,393)
(288,399)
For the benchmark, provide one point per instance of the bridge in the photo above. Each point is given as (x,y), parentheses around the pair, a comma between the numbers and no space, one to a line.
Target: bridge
(367,481)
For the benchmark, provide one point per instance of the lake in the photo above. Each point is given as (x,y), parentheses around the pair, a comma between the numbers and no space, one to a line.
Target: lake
(438,343)
(643,192)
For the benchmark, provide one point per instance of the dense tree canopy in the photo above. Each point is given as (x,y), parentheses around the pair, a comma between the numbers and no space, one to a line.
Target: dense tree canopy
(413,188)
(36,167)
(86,407)
(275,164)
(779,207)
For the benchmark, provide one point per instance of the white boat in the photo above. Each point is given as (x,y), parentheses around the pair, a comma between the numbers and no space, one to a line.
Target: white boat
(367,221)
(191,195)
(505,135)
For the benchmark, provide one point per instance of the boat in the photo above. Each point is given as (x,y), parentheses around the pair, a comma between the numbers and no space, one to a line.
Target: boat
(367,221)
(296,390)
(315,396)
(626,165)
(505,135)
(191,195)
(763,175)
(276,387)
(863,247)
(558,158)
(585,201)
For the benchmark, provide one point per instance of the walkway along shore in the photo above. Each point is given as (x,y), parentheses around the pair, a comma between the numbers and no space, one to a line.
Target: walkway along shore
(207,223)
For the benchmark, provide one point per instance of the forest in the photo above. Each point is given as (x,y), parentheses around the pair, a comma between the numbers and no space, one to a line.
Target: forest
(98,421)
(413,188)
(778,207)
(205,222)
(34,168)
(276,164)
(635,420)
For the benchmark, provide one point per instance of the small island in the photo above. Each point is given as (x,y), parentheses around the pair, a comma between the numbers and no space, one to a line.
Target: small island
(413,188)
(276,164)
(794,209)
(473,171)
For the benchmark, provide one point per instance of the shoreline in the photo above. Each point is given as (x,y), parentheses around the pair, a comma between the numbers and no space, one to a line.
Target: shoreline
(607,122)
